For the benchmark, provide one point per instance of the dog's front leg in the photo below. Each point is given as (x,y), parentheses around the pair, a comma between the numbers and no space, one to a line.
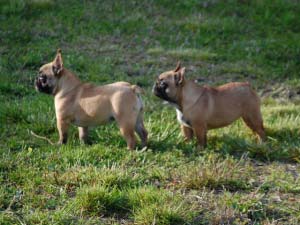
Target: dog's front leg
(187,133)
(62,127)
(200,131)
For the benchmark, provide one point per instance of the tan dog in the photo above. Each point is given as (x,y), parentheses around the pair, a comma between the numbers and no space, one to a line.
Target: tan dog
(85,105)
(200,108)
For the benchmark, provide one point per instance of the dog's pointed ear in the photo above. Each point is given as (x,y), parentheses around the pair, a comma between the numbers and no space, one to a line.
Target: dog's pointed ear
(178,66)
(179,76)
(57,63)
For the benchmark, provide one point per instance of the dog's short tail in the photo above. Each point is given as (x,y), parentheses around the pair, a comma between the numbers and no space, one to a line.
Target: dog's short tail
(137,89)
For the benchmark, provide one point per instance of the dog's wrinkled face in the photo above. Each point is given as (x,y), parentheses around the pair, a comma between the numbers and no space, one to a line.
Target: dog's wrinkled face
(168,83)
(46,81)
(48,76)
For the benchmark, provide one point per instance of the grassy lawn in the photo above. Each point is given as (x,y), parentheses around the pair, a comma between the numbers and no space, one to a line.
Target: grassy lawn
(234,180)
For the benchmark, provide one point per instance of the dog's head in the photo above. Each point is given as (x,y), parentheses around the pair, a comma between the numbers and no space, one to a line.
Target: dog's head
(169,83)
(49,74)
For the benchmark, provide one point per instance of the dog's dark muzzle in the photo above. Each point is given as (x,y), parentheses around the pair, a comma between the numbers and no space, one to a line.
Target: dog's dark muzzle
(41,84)
(159,89)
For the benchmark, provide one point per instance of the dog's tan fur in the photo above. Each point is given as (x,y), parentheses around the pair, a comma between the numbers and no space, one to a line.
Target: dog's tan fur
(85,104)
(200,108)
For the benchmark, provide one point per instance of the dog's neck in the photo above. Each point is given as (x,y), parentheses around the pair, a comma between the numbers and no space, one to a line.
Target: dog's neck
(67,82)
(184,100)
(177,100)
(178,103)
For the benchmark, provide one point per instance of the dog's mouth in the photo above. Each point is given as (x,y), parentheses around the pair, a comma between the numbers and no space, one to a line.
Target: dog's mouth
(159,89)
(41,85)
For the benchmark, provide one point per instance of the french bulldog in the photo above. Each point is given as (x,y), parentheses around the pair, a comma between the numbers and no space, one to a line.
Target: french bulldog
(201,108)
(86,105)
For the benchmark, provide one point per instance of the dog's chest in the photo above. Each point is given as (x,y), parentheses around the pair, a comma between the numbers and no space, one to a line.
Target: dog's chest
(182,120)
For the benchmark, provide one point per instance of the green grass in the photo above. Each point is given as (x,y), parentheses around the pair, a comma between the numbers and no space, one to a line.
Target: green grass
(234,180)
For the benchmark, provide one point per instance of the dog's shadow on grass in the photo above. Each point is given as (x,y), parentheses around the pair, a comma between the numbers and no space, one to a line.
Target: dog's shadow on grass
(189,149)
(281,145)
(291,136)
(166,145)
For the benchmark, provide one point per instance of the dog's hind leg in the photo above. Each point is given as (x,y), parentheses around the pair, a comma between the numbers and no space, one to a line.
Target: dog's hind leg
(128,134)
(254,121)
(127,124)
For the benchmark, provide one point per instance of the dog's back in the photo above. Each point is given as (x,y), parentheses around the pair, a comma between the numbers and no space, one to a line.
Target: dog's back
(231,101)
(239,92)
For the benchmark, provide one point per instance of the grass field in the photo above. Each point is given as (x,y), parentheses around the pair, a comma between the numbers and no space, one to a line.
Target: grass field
(233,181)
